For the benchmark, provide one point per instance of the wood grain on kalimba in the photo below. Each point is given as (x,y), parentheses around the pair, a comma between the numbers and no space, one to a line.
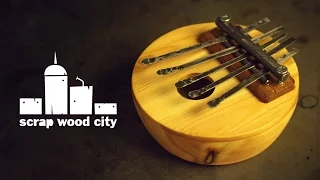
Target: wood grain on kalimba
(239,128)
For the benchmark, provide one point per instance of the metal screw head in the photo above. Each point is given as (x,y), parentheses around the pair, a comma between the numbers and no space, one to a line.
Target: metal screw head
(225,18)
(282,70)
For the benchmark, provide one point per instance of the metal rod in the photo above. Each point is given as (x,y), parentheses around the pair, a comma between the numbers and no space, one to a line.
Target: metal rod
(281,46)
(284,58)
(253,69)
(186,82)
(274,40)
(281,72)
(267,34)
(196,93)
(198,61)
(256,25)
(240,86)
(148,61)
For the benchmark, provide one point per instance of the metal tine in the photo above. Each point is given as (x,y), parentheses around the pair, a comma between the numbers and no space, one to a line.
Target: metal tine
(279,71)
(240,86)
(281,46)
(186,82)
(265,80)
(245,83)
(196,93)
(148,61)
(284,58)
(218,54)
(267,34)
(272,41)
(256,25)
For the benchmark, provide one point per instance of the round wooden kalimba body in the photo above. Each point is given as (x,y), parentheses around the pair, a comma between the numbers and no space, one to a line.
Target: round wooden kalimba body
(237,129)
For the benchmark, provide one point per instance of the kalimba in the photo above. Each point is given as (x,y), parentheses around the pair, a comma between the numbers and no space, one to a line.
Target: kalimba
(217,93)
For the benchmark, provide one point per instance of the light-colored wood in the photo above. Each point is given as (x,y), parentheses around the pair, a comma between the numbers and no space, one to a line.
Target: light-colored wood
(239,128)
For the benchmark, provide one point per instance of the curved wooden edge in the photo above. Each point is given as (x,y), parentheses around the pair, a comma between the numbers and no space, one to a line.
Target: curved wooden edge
(212,152)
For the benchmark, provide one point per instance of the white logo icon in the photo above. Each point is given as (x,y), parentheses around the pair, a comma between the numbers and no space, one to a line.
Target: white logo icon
(56,89)
(81,99)
(31,106)
(105,108)
(56,96)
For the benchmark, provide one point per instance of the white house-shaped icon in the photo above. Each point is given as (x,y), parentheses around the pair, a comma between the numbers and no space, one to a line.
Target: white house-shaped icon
(56,89)
(81,99)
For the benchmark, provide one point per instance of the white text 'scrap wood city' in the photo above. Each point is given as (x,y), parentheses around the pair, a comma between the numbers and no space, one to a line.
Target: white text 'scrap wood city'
(47,123)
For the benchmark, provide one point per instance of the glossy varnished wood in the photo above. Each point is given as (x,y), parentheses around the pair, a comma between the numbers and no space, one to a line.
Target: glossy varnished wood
(239,128)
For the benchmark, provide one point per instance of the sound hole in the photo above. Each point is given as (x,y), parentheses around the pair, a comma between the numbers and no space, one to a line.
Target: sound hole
(195,86)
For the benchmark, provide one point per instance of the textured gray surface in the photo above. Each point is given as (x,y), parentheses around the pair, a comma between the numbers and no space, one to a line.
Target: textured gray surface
(100,41)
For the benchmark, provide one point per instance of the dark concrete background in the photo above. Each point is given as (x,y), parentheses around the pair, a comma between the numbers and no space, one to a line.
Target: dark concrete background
(100,41)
